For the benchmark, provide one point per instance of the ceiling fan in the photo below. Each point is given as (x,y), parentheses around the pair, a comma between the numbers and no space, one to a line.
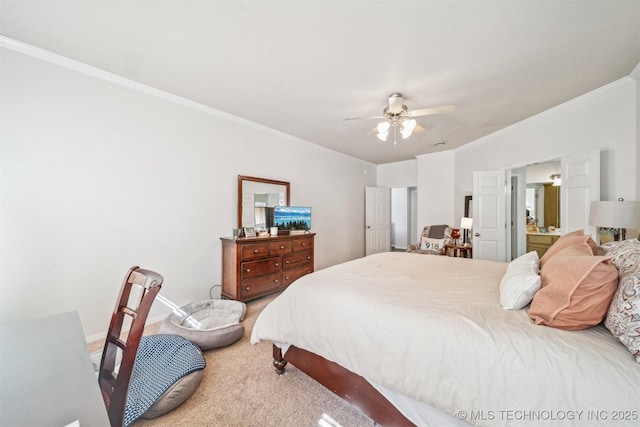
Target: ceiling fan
(398,117)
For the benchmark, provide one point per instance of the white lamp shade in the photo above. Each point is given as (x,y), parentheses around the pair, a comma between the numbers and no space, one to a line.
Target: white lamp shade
(615,214)
(466,223)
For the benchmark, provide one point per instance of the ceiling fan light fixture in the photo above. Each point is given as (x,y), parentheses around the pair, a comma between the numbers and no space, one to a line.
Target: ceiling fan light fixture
(407,128)
(383,127)
(400,118)
(409,124)
(382,136)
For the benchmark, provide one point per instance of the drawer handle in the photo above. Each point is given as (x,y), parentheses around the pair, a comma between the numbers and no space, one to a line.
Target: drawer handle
(275,281)
(308,257)
(281,246)
(248,288)
(277,264)
(286,262)
(303,244)
(255,251)
(248,270)
(286,277)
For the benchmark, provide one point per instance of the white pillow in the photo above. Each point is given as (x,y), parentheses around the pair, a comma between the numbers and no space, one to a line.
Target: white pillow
(520,282)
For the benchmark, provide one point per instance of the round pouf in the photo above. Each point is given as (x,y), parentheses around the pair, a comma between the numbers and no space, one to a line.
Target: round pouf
(208,324)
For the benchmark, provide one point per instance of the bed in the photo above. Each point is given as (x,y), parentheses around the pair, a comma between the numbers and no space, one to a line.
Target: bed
(414,339)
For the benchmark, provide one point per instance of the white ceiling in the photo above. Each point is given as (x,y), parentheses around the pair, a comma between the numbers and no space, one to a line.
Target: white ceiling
(303,67)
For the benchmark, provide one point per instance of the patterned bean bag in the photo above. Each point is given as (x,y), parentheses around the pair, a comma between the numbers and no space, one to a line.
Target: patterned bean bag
(167,370)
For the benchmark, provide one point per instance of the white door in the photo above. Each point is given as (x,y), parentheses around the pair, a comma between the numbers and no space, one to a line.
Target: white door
(377,220)
(580,173)
(489,215)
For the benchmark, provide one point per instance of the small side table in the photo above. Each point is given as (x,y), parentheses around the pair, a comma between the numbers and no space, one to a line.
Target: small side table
(459,251)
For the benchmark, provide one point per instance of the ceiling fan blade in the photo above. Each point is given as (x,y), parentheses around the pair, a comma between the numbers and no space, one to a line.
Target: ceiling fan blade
(373,131)
(434,110)
(361,118)
(419,129)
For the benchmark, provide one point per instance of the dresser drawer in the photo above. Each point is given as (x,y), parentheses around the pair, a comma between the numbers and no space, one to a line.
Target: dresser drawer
(254,251)
(291,261)
(253,267)
(304,244)
(295,273)
(258,268)
(260,285)
(281,248)
(541,239)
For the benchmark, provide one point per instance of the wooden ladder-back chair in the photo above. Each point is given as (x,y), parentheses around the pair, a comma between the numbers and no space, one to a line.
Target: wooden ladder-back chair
(145,285)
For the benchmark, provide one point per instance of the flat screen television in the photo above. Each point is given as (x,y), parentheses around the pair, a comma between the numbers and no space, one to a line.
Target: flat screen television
(292,217)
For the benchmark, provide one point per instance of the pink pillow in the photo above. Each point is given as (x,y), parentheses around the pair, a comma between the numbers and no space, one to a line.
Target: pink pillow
(566,240)
(577,288)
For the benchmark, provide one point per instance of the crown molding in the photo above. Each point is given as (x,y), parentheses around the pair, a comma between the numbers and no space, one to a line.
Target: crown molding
(89,70)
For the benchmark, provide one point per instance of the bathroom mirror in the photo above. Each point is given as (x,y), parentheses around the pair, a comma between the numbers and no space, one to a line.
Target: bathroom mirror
(256,199)
(543,195)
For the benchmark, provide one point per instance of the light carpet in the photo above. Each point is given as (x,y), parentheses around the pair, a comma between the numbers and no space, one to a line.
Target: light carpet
(240,388)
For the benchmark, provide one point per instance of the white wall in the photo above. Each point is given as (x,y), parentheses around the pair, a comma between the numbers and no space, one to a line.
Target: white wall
(635,74)
(605,118)
(96,177)
(432,174)
(436,189)
(398,174)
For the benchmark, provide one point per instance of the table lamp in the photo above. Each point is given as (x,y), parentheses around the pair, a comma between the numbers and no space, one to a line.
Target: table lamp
(620,215)
(466,224)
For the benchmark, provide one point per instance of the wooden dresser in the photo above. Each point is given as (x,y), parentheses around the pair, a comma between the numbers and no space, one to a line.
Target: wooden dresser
(540,242)
(256,266)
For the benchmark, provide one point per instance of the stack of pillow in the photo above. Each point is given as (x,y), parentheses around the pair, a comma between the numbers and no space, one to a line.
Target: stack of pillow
(577,286)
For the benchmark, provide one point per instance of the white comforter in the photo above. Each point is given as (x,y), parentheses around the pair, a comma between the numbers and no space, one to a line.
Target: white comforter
(432,328)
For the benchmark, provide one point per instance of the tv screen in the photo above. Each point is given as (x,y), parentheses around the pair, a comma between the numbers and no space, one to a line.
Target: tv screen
(292,217)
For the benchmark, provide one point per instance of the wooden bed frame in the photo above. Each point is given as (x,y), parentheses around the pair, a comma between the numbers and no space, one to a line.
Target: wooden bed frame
(349,386)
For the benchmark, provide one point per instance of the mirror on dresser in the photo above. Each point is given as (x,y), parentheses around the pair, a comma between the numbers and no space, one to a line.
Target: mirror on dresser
(256,199)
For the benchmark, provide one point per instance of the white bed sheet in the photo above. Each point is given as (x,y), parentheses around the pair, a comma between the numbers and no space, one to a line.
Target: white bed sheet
(431,328)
